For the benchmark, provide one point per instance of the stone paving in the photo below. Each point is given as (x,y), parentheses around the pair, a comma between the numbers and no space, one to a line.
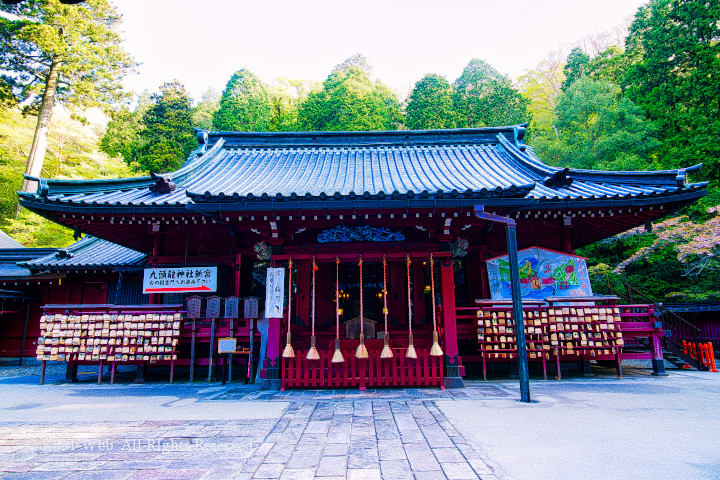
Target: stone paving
(344,434)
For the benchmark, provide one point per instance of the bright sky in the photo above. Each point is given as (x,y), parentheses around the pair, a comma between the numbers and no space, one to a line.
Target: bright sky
(203,43)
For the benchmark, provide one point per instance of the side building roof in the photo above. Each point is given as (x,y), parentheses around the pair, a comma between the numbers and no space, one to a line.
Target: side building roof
(6,241)
(87,253)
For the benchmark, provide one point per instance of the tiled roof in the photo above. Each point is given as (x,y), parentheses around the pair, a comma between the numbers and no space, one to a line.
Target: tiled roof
(89,252)
(256,168)
(10,257)
(6,241)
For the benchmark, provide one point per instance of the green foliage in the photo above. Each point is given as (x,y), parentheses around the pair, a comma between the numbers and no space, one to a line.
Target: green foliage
(158,135)
(661,276)
(609,65)
(349,100)
(122,136)
(430,104)
(72,153)
(674,50)
(81,40)
(202,115)
(167,137)
(576,67)
(541,87)
(244,105)
(32,230)
(484,97)
(599,129)
(285,98)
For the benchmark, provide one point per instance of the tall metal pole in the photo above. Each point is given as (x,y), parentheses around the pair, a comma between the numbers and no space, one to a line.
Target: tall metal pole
(518,314)
(516,296)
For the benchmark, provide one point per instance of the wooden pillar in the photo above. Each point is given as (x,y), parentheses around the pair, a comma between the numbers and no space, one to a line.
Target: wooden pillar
(417,270)
(565,236)
(304,292)
(658,363)
(476,274)
(452,354)
(157,251)
(397,293)
(236,265)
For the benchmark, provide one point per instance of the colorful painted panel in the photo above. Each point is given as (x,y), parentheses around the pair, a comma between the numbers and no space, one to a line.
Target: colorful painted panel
(543,273)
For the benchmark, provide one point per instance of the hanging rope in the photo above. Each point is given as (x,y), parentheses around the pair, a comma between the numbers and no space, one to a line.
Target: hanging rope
(289,352)
(313,353)
(435,350)
(361,351)
(386,352)
(411,348)
(337,356)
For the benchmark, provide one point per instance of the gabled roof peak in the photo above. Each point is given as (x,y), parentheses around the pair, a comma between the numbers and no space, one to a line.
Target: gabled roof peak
(386,138)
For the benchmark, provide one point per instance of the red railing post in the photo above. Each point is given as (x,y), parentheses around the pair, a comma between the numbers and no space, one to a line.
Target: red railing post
(712,357)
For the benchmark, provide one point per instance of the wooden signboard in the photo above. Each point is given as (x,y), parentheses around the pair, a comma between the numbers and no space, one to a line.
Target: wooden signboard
(251,307)
(232,307)
(213,307)
(194,305)
(227,345)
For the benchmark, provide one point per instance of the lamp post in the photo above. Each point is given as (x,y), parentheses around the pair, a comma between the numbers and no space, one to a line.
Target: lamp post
(511,237)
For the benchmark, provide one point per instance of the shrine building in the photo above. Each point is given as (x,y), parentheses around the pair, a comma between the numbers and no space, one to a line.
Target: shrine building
(381,247)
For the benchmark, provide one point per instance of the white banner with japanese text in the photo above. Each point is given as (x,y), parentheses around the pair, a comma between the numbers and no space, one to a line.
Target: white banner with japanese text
(275,293)
(180,279)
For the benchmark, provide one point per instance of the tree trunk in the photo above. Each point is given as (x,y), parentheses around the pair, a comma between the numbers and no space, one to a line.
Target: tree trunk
(40,140)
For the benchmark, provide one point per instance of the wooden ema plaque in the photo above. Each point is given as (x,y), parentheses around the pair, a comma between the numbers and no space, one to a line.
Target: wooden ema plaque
(194,305)
(232,307)
(212,307)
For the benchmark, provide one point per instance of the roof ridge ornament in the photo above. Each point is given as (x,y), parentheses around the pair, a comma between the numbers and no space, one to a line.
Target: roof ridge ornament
(559,179)
(64,253)
(162,184)
(203,140)
(519,134)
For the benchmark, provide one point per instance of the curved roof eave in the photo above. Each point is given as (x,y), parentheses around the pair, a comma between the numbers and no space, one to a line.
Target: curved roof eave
(68,187)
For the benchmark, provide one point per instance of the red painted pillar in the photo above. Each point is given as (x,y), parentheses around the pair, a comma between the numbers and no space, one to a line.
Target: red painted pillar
(658,363)
(237,264)
(304,274)
(452,354)
(397,292)
(417,270)
(157,251)
(272,356)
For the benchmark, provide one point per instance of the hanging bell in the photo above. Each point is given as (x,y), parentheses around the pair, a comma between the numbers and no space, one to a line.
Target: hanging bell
(386,352)
(312,353)
(435,350)
(288,352)
(361,351)
(337,356)
(411,349)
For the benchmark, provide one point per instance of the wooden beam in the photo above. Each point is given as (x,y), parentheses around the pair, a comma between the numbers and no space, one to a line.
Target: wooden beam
(177,259)
(352,257)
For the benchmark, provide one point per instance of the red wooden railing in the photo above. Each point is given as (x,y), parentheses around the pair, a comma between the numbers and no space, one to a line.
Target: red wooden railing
(374,372)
